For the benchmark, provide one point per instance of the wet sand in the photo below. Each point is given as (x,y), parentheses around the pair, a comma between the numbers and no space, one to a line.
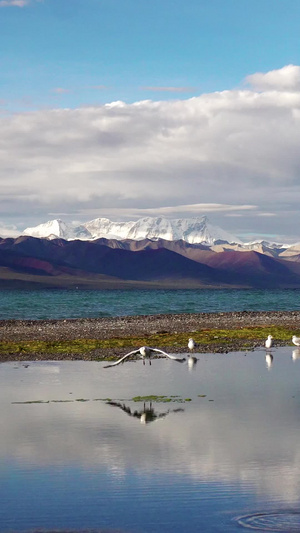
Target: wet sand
(140,326)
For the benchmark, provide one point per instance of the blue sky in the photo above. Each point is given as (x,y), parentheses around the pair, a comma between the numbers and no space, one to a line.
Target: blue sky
(77,52)
(210,66)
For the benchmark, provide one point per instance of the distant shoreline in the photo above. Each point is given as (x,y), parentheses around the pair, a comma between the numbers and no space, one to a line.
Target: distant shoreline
(177,328)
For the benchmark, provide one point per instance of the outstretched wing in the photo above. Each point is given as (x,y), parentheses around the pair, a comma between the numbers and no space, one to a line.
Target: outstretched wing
(173,357)
(122,358)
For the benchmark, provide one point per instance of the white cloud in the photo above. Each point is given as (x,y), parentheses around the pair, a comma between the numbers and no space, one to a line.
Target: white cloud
(219,152)
(181,210)
(14,3)
(7,230)
(283,79)
(266,214)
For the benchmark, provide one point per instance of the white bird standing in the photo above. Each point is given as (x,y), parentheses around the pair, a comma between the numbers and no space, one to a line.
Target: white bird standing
(145,352)
(296,340)
(269,342)
(192,344)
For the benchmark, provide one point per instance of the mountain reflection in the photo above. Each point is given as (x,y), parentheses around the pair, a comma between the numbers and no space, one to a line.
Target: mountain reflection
(145,415)
(248,434)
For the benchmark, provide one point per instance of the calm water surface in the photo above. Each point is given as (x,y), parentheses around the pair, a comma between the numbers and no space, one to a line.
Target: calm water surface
(56,304)
(76,453)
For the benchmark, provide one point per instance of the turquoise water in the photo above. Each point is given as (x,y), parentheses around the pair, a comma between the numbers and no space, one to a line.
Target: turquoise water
(56,304)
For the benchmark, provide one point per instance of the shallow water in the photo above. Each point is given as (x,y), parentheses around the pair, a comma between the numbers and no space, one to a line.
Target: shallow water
(76,453)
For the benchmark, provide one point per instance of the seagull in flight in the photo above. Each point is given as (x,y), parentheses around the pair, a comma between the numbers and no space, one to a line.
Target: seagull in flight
(145,352)
(296,340)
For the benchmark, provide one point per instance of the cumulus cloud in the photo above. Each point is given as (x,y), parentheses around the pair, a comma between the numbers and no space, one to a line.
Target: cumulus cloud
(283,79)
(229,150)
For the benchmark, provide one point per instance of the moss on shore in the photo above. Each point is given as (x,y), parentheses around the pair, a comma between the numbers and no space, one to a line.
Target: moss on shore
(207,340)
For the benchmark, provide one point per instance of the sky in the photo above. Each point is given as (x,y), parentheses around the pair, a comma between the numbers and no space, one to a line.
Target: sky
(131,108)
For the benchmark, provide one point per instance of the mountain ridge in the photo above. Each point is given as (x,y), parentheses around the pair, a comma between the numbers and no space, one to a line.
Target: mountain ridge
(152,264)
(192,230)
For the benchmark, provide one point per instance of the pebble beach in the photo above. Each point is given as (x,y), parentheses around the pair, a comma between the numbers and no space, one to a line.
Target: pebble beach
(139,326)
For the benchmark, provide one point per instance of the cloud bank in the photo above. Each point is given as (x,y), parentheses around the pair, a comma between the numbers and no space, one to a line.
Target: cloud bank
(227,149)
(284,79)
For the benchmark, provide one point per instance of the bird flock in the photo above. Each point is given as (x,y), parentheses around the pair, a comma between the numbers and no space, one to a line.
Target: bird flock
(146,352)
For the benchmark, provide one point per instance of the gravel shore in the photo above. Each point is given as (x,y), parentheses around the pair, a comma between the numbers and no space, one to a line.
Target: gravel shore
(147,325)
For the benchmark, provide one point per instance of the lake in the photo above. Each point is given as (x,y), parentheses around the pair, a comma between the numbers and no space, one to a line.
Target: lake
(61,304)
(216,450)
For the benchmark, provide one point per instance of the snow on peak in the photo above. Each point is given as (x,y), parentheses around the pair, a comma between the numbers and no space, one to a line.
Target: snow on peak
(192,230)
(57,228)
(51,229)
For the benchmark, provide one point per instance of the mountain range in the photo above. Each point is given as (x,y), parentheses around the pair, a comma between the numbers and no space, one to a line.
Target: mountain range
(148,253)
(191,230)
(31,262)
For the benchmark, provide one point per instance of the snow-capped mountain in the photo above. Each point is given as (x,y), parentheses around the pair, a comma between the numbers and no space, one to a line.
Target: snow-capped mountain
(268,244)
(58,228)
(192,230)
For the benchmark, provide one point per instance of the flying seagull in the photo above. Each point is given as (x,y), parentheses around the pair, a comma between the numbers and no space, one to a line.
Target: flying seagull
(269,342)
(296,340)
(145,352)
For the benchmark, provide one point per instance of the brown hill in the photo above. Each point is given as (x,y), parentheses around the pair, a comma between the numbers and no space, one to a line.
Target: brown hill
(154,263)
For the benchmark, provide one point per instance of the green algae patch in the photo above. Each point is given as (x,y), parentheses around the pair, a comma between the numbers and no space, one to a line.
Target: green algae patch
(82,400)
(62,401)
(158,399)
(207,339)
(149,398)
(31,402)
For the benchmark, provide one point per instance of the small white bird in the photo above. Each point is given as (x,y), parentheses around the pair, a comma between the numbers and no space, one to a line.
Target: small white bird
(296,340)
(269,341)
(192,344)
(145,352)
